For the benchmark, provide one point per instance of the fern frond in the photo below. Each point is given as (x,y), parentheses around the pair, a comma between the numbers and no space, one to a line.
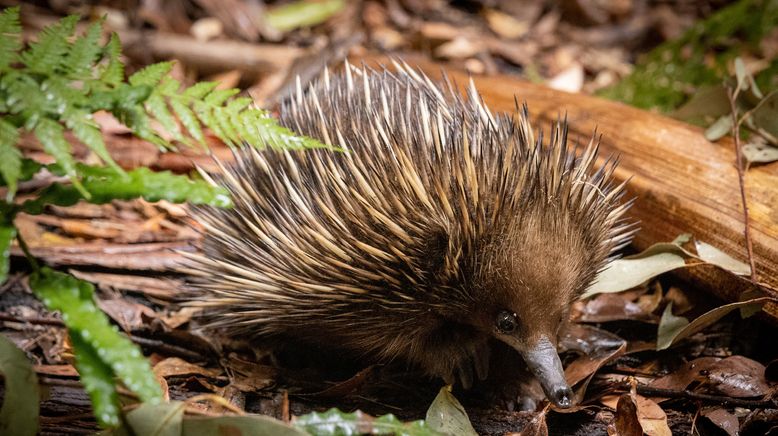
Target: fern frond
(84,52)
(47,55)
(200,90)
(51,134)
(88,132)
(150,75)
(24,97)
(10,36)
(10,157)
(188,119)
(113,73)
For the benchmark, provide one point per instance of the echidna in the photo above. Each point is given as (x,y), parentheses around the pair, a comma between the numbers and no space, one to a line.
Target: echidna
(438,226)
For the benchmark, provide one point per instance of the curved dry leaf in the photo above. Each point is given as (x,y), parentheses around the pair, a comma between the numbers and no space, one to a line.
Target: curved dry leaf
(669,327)
(671,336)
(447,415)
(623,274)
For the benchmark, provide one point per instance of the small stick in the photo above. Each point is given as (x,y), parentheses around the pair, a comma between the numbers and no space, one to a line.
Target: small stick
(741,179)
(648,391)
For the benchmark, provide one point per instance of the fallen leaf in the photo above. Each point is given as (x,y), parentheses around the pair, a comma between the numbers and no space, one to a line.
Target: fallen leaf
(505,25)
(682,377)
(569,80)
(669,327)
(759,152)
(636,415)
(722,419)
(671,336)
(626,421)
(599,347)
(714,256)
(738,377)
(719,128)
(174,366)
(446,415)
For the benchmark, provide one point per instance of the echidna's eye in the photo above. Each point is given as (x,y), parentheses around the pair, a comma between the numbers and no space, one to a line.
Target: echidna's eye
(506,322)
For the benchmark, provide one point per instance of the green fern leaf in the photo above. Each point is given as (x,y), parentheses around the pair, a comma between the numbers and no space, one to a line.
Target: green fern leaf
(51,134)
(219,96)
(24,96)
(157,107)
(200,90)
(188,119)
(150,75)
(62,96)
(113,74)
(10,36)
(136,119)
(238,104)
(87,131)
(206,114)
(10,157)
(47,55)
(84,52)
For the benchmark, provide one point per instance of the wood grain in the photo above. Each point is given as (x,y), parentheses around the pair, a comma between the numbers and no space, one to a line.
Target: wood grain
(683,182)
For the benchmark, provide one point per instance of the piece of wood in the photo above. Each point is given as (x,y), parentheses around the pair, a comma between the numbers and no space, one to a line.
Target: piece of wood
(683,182)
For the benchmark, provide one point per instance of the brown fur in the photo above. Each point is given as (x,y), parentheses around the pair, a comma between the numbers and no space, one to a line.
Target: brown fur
(436,216)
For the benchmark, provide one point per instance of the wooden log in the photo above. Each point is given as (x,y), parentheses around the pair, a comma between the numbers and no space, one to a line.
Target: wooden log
(683,182)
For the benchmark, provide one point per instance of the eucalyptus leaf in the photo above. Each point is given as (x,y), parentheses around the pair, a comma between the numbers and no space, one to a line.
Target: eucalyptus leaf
(672,330)
(669,327)
(19,414)
(164,419)
(741,74)
(713,255)
(447,415)
(719,129)
(623,274)
(759,153)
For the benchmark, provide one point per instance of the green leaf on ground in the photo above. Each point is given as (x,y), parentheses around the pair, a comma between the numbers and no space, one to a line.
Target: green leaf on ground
(19,414)
(334,422)
(302,13)
(447,416)
(164,419)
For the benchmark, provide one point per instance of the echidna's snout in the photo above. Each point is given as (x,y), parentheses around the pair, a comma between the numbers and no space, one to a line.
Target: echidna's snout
(543,361)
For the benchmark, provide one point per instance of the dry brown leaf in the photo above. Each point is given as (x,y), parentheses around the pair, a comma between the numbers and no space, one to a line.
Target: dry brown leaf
(174,366)
(682,377)
(738,377)
(127,314)
(722,419)
(505,25)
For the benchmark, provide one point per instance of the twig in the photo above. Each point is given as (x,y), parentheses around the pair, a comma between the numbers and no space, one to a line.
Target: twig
(648,391)
(741,179)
